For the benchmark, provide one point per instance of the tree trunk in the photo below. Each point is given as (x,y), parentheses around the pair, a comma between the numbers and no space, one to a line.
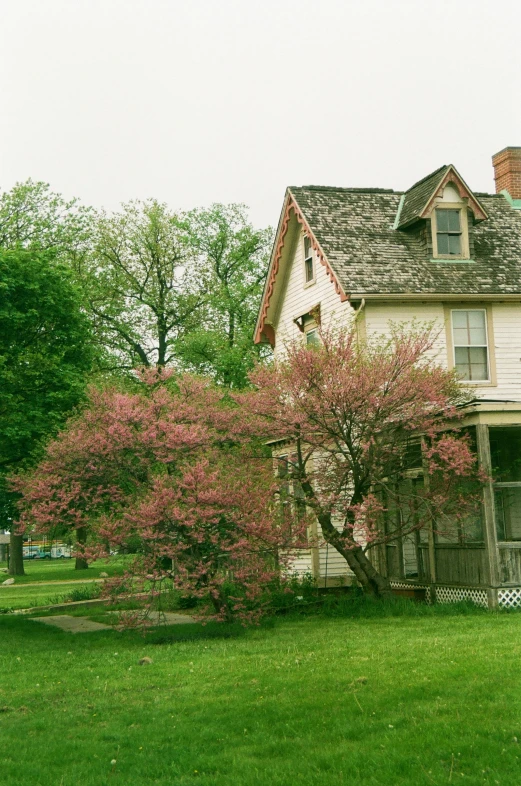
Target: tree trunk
(372,582)
(81,536)
(16,555)
(376,584)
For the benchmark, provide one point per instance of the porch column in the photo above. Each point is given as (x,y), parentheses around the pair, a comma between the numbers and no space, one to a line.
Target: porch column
(430,529)
(489,517)
(315,554)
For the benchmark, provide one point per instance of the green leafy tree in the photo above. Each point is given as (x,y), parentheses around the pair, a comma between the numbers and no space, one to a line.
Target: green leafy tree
(34,217)
(233,256)
(142,286)
(45,353)
(161,288)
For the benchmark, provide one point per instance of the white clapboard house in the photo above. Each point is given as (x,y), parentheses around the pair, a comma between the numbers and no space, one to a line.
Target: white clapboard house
(439,253)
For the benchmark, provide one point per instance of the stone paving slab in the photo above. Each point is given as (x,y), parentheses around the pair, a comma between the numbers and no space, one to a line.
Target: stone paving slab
(84,625)
(73,624)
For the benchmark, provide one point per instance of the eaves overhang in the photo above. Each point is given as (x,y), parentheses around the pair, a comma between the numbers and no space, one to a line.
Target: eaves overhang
(355,297)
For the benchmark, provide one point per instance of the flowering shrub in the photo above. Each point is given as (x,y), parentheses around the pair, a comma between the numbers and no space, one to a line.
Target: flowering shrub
(172,467)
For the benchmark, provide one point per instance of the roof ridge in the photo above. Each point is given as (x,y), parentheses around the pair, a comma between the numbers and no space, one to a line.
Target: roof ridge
(353,189)
(427,177)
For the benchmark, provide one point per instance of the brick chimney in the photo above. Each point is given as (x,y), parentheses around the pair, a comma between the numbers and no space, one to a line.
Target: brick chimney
(507,171)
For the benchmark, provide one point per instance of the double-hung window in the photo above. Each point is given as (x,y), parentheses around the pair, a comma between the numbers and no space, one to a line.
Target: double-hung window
(309,266)
(448,233)
(470,340)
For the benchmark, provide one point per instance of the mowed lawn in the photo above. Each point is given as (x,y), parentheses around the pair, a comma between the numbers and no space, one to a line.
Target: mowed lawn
(50,574)
(403,701)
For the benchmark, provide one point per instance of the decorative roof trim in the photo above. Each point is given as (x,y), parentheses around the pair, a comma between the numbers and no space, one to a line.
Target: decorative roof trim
(453,176)
(291,207)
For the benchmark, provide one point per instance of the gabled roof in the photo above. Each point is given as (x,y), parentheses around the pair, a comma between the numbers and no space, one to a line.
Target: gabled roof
(415,199)
(355,236)
(289,209)
(417,202)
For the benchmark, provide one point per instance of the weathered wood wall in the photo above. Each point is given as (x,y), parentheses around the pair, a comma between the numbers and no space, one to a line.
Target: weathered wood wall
(457,565)
(454,565)
(510,564)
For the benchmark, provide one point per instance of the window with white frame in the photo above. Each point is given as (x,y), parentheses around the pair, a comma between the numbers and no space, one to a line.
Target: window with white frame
(470,340)
(309,264)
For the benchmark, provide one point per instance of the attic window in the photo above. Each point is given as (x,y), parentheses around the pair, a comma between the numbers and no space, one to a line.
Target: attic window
(309,267)
(312,337)
(450,232)
(309,325)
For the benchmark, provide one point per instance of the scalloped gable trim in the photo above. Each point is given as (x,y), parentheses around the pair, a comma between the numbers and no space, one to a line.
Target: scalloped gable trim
(452,176)
(291,207)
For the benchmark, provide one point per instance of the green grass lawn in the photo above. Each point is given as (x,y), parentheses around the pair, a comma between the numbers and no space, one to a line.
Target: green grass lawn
(63,570)
(19,596)
(404,701)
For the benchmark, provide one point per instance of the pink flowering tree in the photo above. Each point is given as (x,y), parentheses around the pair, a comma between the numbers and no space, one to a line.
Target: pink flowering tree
(374,444)
(173,468)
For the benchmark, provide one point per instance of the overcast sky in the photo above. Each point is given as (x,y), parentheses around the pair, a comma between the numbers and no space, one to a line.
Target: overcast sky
(200,101)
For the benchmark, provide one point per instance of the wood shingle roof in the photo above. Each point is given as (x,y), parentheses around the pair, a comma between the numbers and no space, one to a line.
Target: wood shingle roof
(355,229)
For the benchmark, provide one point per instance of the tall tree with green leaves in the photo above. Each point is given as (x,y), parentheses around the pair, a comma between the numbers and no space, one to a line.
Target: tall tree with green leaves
(45,354)
(162,288)
(233,256)
(32,216)
(142,285)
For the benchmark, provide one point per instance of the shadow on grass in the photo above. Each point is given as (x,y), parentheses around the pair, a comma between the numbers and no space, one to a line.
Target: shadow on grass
(355,605)
(210,630)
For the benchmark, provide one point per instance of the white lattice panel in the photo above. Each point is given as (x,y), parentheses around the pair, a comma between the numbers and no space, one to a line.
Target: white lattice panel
(456,594)
(509,598)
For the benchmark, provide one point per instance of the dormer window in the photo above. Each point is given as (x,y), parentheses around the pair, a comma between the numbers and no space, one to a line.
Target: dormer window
(309,262)
(450,232)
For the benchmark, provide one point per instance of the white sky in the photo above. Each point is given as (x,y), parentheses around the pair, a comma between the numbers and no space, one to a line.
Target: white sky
(197,101)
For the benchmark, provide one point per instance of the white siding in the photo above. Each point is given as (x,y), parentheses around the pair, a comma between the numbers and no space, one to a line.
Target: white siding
(296,299)
(506,319)
(378,317)
(506,322)
(301,563)
(331,563)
